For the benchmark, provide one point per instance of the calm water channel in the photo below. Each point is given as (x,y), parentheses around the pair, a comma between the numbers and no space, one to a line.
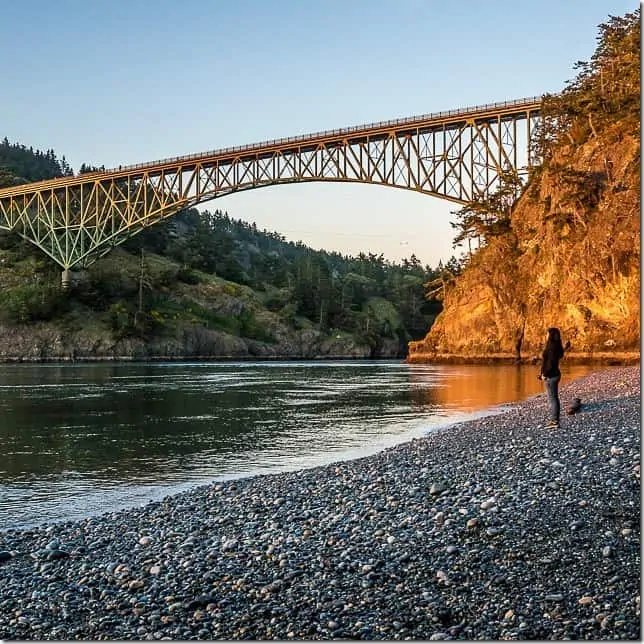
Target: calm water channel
(82,439)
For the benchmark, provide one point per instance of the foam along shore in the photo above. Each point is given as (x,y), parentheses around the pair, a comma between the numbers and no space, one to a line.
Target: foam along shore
(497,528)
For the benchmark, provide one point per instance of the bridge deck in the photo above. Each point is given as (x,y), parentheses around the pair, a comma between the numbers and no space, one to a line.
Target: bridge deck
(381,128)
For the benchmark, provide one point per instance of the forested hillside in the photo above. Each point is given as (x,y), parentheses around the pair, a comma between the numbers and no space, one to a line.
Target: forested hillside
(204,284)
(566,253)
(19,164)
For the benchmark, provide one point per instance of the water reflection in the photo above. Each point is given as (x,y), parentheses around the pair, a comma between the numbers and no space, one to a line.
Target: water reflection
(472,387)
(79,439)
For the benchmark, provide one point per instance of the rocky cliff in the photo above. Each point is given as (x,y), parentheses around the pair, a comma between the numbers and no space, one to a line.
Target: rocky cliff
(572,255)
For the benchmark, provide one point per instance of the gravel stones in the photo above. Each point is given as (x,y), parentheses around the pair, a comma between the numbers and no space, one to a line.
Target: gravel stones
(493,529)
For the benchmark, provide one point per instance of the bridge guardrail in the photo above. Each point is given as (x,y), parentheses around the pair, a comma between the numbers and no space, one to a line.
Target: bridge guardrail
(323,133)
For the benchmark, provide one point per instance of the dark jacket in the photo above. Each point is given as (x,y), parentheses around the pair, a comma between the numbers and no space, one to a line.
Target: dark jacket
(550,363)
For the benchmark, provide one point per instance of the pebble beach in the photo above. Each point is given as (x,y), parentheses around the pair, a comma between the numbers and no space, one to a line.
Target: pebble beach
(497,529)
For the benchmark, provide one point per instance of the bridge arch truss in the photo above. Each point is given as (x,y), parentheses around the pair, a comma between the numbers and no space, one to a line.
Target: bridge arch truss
(455,155)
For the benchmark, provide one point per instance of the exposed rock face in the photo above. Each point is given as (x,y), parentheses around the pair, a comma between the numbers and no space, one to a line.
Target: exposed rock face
(571,254)
(574,263)
(43,342)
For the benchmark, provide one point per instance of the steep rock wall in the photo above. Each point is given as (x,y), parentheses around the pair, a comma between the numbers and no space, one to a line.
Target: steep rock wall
(575,264)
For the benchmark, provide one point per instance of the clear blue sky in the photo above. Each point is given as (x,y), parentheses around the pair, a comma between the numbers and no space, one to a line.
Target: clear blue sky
(125,82)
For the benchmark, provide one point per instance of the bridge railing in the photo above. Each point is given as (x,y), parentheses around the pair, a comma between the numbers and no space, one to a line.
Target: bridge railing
(327,133)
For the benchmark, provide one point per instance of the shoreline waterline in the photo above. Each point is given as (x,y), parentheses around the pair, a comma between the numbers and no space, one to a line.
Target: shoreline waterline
(498,528)
(598,358)
(82,440)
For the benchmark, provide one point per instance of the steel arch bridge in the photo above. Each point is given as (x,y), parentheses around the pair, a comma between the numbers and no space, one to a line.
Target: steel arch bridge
(455,155)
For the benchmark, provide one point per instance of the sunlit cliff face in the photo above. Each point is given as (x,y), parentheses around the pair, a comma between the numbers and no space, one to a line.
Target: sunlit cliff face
(582,276)
(570,257)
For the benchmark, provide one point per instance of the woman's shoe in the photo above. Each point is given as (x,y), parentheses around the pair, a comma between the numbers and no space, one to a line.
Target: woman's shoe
(553,424)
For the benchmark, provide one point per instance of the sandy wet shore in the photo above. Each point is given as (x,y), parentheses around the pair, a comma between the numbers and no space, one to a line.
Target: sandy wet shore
(493,529)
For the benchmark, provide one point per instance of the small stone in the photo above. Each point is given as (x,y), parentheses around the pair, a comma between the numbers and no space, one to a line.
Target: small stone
(607,551)
(442,576)
(229,544)
(437,488)
(5,555)
(489,503)
(585,600)
(554,597)
(472,523)
(145,540)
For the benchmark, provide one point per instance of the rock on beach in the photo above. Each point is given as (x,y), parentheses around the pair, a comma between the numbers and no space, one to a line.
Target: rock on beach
(498,528)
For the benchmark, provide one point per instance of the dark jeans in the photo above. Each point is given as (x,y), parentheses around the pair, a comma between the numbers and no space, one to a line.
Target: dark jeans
(552,389)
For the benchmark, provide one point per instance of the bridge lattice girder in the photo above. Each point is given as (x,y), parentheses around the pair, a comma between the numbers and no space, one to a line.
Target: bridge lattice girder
(456,155)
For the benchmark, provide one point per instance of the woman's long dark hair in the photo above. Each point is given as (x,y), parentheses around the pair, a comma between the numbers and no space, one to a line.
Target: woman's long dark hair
(553,343)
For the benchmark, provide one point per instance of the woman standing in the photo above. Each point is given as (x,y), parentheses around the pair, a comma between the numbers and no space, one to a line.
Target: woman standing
(550,374)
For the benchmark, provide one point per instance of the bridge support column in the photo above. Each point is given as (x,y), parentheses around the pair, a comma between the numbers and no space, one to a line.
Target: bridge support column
(65,279)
